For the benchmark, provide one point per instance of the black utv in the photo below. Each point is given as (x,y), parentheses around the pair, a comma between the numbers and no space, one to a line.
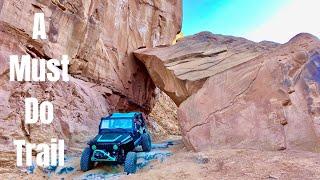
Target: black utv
(119,134)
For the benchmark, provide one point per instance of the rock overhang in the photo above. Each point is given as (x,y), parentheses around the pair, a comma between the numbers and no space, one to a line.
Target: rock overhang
(233,92)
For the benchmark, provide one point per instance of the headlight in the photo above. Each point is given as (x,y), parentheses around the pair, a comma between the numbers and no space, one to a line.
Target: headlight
(93,147)
(115,147)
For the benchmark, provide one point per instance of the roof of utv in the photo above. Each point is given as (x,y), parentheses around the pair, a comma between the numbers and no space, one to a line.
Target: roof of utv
(123,115)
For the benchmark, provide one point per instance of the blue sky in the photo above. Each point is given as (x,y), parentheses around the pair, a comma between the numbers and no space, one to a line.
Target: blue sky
(274,20)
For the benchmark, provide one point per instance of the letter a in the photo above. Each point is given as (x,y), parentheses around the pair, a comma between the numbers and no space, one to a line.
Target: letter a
(39,26)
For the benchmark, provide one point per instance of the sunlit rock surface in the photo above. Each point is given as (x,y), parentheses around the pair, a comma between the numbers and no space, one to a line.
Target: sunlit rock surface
(237,93)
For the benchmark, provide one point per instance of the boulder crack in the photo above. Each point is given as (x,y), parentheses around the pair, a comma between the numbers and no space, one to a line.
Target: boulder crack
(232,102)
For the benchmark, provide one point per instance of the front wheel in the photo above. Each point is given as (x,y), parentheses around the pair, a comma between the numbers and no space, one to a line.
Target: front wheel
(85,162)
(146,142)
(130,164)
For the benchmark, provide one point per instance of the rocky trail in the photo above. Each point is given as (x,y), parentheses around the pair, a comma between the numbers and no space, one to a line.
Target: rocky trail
(243,109)
(71,170)
(171,160)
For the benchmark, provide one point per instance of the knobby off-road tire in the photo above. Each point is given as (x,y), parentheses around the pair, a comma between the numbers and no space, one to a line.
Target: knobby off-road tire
(130,164)
(146,142)
(85,163)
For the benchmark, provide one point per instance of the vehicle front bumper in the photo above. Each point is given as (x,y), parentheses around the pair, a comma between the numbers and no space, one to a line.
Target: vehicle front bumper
(101,155)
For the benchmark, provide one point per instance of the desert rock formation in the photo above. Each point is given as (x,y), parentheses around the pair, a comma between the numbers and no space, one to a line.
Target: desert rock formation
(162,120)
(237,93)
(99,37)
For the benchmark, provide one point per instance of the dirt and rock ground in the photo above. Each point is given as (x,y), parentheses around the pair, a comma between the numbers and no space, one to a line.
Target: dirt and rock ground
(171,160)
(234,164)
(161,150)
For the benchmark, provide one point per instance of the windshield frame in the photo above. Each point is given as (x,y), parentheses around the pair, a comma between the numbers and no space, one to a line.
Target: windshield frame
(116,129)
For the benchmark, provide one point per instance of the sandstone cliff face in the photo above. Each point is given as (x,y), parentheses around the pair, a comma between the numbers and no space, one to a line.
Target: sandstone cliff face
(236,93)
(99,37)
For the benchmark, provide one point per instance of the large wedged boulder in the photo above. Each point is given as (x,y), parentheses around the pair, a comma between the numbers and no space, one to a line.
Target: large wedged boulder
(181,69)
(262,96)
